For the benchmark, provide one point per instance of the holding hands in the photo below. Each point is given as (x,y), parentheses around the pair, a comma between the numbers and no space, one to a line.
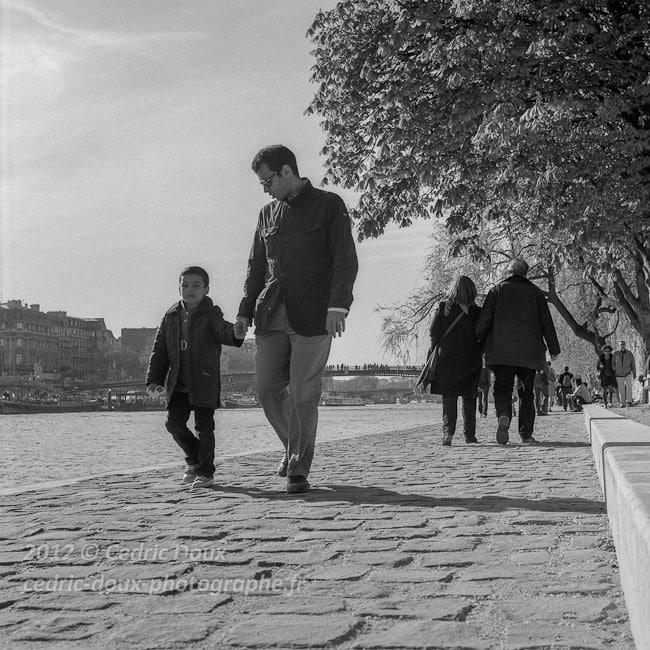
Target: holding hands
(241,327)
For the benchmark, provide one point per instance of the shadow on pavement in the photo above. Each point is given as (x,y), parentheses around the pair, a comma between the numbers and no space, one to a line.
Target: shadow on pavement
(357,495)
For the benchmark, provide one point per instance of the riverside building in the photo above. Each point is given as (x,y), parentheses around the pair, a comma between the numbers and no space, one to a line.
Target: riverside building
(33,341)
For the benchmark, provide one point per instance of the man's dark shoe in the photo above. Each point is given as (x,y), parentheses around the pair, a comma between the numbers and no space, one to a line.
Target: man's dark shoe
(282,467)
(502,430)
(470,439)
(446,441)
(530,441)
(297,484)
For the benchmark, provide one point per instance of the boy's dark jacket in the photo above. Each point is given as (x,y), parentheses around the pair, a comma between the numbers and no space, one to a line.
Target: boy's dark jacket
(207,333)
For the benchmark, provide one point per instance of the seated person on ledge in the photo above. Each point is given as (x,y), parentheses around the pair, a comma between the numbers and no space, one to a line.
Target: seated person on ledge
(580,396)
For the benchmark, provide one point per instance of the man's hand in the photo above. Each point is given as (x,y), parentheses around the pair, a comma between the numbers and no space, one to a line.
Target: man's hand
(554,357)
(335,323)
(155,390)
(241,327)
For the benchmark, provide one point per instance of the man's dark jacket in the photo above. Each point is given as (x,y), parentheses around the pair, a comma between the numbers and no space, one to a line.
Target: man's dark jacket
(304,253)
(207,332)
(514,323)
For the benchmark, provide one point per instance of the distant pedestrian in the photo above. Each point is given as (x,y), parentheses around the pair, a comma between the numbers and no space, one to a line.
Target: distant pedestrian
(483,390)
(566,387)
(580,395)
(552,385)
(606,375)
(625,370)
(515,322)
(186,357)
(541,392)
(459,364)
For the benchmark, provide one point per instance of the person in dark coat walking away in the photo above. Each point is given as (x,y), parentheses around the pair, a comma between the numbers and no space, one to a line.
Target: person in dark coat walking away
(186,354)
(515,322)
(459,364)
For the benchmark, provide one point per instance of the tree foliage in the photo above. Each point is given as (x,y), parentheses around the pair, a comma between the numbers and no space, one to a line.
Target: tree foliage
(533,116)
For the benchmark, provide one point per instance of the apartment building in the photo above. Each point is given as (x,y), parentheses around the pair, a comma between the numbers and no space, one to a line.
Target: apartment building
(51,341)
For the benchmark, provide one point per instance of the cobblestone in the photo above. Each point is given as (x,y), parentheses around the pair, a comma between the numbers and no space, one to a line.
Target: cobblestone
(400,544)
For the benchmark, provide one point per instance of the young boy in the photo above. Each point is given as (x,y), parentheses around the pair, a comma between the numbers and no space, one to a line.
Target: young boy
(186,353)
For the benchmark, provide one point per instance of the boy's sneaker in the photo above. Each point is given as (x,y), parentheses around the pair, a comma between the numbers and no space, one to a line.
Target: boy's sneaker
(190,473)
(502,430)
(202,481)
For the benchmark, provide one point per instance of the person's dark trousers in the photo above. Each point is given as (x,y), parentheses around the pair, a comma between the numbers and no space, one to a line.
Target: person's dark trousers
(199,450)
(566,399)
(450,414)
(541,399)
(504,378)
(483,401)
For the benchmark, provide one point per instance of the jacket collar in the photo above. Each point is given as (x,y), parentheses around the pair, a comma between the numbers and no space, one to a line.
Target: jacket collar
(204,305)
(302,196)
(517,278)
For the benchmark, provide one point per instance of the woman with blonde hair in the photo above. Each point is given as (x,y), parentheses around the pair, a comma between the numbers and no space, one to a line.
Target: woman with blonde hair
(459,362)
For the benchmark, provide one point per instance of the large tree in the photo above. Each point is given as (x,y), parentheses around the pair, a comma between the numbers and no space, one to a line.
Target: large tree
(531,115)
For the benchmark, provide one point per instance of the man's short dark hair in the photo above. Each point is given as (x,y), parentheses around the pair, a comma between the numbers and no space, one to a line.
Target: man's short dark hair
(275,156)
(196,270)
(519,267)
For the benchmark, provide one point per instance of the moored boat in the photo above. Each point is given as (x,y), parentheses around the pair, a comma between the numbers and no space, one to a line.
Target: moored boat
(17,407)
(342,400)
(239,401)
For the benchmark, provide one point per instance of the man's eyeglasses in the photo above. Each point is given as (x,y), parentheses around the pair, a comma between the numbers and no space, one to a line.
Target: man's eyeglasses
(266,182)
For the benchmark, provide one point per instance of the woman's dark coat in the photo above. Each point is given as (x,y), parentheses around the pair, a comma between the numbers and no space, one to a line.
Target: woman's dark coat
(207,332)
(605,369)
(459,365)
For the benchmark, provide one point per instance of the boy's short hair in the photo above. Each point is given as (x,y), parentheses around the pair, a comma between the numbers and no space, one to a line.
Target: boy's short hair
(275,157)
(196,270)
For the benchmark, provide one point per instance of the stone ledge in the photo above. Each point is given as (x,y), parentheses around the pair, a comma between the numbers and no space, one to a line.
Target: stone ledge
(621,450)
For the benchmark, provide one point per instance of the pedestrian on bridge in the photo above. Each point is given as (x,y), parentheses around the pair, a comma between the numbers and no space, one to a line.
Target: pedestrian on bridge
(298,290)
(459,361)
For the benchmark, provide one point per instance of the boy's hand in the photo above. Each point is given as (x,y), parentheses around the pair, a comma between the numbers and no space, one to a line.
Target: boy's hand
(241,327)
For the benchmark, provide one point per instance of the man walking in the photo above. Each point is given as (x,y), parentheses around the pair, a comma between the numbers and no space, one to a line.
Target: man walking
(624,369)
(515,322)
(298,290)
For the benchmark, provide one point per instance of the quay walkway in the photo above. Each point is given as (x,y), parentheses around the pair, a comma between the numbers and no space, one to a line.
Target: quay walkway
(401,543)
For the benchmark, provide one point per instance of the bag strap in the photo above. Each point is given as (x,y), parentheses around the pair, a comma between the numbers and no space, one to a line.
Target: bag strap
(451,327)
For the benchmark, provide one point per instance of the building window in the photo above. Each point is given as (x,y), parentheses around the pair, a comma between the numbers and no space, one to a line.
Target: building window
(19,325)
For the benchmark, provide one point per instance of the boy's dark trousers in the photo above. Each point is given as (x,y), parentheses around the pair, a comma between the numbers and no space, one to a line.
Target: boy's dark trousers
(198,451)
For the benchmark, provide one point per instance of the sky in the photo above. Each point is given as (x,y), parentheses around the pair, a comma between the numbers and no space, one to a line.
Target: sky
(127,130)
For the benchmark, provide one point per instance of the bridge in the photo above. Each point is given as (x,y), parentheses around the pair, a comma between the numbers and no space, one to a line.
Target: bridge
(239,381)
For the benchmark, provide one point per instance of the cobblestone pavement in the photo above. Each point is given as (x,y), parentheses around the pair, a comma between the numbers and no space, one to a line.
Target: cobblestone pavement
(402,543)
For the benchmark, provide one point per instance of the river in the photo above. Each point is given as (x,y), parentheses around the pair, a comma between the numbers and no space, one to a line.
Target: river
(51,448)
